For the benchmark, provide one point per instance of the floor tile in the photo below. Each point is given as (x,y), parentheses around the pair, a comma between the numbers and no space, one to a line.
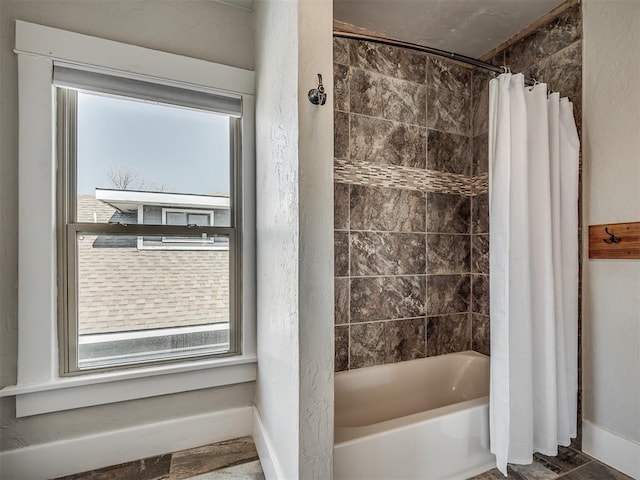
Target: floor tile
(246,471)
(154,468)
(495,474)
(595,471)
(567,459)
(195,461)
(535,471)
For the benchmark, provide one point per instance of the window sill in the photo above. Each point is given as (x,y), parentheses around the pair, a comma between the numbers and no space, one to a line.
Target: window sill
(97,389)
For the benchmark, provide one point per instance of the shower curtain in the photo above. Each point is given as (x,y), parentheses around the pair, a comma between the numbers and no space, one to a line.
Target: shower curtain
(533,211)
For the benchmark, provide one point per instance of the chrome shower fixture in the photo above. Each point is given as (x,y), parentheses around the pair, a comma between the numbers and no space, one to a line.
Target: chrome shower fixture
(318,96)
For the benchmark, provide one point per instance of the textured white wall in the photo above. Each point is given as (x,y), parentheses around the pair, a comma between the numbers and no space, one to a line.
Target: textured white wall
(611,289)
(198,28)
(277,236)
(316,241)
(294,154)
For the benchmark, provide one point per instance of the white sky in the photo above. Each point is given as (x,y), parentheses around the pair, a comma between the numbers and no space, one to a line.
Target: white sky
(184,150)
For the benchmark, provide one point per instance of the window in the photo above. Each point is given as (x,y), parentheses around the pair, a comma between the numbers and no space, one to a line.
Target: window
(187,217)
(137,160)
(110,224)
(195,218)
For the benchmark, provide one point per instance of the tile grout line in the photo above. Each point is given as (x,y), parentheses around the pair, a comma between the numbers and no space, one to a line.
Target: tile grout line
(349,280)
(348,154)
(426,280)
(471,229)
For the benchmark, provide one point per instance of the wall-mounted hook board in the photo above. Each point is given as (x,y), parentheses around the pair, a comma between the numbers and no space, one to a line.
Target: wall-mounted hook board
(615,240)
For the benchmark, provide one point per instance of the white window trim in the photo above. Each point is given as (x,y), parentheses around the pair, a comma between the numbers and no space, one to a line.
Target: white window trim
(189,243)
(166,210)
(40,389)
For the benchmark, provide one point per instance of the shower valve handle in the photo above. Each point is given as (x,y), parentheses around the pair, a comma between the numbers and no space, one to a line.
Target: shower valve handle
(318,96)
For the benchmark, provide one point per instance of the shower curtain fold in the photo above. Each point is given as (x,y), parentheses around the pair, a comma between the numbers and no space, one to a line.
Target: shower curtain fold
(533,195)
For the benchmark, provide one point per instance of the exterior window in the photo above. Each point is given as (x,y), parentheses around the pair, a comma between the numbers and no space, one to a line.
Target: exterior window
(181,217)
(148,238)
(201,218)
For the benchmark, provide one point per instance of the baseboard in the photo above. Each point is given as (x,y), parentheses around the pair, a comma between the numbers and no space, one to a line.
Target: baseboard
(66,457)
(268,458)
(620,453)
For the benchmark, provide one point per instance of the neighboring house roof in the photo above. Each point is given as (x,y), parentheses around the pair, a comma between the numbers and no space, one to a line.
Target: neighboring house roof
(122,288)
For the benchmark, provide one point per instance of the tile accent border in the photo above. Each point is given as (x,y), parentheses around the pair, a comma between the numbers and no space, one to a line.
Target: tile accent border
(407,178)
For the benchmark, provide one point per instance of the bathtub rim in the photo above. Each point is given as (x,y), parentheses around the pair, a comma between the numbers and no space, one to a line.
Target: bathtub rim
(464,353)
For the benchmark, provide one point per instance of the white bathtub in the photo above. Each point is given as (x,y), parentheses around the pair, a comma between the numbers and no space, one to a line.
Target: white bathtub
(425,419)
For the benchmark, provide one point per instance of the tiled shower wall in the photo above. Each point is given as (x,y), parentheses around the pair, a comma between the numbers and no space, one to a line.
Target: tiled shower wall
(411,208)
(410,242)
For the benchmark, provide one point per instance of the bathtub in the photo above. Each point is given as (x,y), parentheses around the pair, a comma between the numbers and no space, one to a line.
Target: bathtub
(424,419)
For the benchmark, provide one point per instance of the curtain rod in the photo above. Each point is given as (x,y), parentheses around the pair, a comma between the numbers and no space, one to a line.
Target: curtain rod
(429,50)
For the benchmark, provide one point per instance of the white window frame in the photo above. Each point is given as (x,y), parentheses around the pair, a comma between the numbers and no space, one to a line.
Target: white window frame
(189,243)
(166,210)
(40,388)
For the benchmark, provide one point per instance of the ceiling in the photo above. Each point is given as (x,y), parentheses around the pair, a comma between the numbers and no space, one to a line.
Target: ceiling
(469,27)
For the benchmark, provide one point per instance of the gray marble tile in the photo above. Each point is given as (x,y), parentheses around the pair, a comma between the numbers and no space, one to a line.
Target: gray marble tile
(405,340)
(447,75)
(380,141)
(448,152)
(341,135)
(534,471)
(448,213)
(494,474)
(448,334)
(481,333)
(448,253)
(341,51)
(385,298)
(195,461)
(480,253)
(448,294)
(244,471)
(480,103)
(341,254)
(480,213)
(153,468)
(595,471)
(403,101)
(340,87)
(387,209)
(448,112)
(563,31)
(341,361)
(341,300)
(375,253)
(562,71)
(390,61)
(566,460)
(367,345)
(480,154)
(341,206)
(480,294)
(365,92)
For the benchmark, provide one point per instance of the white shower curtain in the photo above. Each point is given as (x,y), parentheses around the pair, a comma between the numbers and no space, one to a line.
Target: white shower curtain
(533,211)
